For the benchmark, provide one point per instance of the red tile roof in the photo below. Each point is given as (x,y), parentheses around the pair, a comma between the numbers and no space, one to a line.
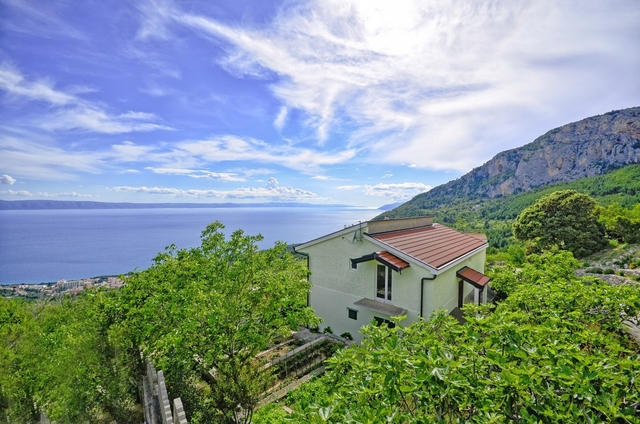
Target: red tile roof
(474,277)
(434,245)
(387,257)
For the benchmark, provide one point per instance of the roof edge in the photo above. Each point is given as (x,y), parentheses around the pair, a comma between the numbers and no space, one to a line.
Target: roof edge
(361,226)
(402,255)
(456,261)
(388,225)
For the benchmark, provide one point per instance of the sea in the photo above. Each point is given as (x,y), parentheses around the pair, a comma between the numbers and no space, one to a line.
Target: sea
(43,246)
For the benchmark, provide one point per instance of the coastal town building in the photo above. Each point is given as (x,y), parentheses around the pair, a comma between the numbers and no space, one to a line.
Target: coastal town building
(380,269)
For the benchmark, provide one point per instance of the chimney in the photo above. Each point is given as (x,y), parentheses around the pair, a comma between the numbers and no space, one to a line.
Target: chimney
(386,225)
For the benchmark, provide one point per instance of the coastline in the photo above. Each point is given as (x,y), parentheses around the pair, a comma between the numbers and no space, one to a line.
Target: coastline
(42,290)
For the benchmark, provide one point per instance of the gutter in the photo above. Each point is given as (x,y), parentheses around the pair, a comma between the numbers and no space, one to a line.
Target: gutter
(306,255)
(422,291)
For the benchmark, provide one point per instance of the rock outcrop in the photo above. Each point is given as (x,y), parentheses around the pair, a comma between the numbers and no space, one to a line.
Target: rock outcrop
(581,149)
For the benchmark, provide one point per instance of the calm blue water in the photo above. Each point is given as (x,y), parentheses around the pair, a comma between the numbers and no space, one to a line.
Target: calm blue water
(49,245)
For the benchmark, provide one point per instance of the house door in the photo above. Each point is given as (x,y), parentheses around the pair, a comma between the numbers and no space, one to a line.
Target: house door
(383,283)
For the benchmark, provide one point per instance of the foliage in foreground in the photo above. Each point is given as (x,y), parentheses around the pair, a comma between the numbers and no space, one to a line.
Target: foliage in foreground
(199,314)
(553,351)
(55,357)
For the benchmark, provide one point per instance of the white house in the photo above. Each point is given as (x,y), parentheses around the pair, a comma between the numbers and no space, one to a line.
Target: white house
(379,269)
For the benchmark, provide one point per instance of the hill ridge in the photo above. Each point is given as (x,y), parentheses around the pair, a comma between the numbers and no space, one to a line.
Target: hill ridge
(586,148)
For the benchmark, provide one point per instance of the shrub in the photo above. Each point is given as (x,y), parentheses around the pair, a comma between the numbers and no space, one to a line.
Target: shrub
(270,414)
(608,271)
(346,335)
(327,330)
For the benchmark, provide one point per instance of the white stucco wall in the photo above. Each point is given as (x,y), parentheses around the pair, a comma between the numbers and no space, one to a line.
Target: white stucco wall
(336,286)
(445,290)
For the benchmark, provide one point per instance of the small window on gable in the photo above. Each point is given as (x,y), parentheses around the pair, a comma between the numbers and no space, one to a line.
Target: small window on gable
(353,313)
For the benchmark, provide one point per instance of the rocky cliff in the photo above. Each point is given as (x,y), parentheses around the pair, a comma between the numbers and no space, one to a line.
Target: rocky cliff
(581,149)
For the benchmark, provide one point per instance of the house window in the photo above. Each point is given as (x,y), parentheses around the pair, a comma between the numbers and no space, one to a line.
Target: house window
(380,321)
(383,283)
(353,313)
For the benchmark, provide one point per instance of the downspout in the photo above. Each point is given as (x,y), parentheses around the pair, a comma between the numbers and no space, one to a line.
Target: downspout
(422,292)
(306,255)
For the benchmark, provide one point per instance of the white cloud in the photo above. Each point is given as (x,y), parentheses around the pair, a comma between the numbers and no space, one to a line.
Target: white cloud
(67,194)
(15,84)
(32,156)
(130,152)
(400,191)
(93,119)
(71,111)
(348,187)
(6,179)
(234,148)
(272,191)
(281,118)
(23,193)
(199,173)
(387,176)
(447,84)
(40,20)
(327,178)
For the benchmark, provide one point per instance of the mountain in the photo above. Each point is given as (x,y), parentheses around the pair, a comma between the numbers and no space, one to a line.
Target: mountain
(390,206)
(590,147)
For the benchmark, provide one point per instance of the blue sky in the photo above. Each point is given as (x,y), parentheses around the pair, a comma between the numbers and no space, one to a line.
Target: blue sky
(354,102)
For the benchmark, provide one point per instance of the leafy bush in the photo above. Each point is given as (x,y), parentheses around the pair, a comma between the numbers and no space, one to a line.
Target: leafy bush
(327,330)
(346,335)
(608,271)
(499,366)
(594,270)
(270,414)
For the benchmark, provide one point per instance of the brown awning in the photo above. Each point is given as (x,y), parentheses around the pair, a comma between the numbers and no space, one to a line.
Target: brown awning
(473,277)
(385,258)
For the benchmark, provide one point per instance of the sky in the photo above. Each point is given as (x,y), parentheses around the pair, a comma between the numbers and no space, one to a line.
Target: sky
(330,102)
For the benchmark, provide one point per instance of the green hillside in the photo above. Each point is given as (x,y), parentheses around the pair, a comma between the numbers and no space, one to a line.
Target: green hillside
(493,216)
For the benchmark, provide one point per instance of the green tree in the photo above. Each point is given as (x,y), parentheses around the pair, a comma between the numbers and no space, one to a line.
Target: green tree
(552,351)
(621,224)
(566,219)
(55,358)
(202,314)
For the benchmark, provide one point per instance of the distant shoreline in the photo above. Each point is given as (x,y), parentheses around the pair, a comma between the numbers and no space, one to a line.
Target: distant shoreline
(38,290)
(53,283)
(87,205)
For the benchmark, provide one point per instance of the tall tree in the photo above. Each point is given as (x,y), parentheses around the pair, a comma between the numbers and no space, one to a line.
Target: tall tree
(566,219)
(202,314)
